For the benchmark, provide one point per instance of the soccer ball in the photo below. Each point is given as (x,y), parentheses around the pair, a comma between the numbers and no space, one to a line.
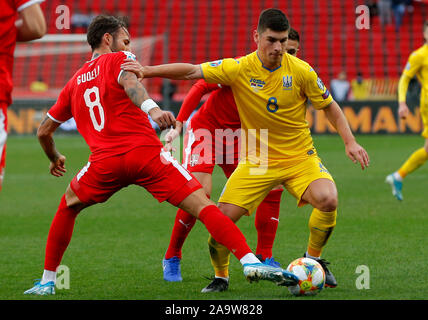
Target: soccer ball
(311,277)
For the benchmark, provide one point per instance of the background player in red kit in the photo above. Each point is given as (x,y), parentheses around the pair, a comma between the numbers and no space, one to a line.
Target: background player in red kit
(30,25)
(219,112)
(125,150)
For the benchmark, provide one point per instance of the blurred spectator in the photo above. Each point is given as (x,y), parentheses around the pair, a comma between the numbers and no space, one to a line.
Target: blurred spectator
(372,5)
(69,125)
(81,20)
(399,9)
(39,85)
(385,13)
(340,87)
(359,88)
(168,89)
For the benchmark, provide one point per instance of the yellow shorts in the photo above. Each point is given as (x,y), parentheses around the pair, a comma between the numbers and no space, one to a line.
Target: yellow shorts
(249,183)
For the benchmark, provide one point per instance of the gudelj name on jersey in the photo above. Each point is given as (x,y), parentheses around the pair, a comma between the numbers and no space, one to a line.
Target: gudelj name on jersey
(88,76)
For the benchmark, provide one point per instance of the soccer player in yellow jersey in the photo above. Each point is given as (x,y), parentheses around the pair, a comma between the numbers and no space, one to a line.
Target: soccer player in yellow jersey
(271,88)
(417,65)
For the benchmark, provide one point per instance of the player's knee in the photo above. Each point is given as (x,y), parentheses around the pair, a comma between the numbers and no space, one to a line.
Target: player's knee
(73,202)
(327,203)
(195,202)
(234,212)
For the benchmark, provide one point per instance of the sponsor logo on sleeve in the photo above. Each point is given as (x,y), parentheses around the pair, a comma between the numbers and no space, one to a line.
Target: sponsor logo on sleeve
(323,88)
(326,94)
(129,55)
(320,84)
(215,63)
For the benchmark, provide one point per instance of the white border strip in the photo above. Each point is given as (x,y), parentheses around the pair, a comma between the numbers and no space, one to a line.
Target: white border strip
(28,4)
(53,119)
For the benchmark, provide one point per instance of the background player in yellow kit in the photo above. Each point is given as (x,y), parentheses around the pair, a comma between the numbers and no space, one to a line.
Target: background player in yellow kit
(271,89)
(417,65)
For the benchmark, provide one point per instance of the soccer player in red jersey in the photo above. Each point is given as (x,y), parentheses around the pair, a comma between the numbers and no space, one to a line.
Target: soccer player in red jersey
(30,25)
(104,101)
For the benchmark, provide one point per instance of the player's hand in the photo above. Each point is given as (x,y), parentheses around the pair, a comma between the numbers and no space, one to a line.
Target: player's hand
(164,119)
(57,167)
(134,67)
(403,110)
(172,135)
(357,153)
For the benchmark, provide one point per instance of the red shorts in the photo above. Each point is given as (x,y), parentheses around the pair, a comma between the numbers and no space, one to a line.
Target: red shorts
(203,150)
(148,167)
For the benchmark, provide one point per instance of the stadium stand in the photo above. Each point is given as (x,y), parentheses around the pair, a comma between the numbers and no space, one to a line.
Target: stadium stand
(199,31)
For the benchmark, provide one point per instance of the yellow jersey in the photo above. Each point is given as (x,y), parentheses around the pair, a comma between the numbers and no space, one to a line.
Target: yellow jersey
(271,104)
(417,65)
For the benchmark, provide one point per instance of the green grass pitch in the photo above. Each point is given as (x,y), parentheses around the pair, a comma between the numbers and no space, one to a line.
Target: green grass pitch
(117,247)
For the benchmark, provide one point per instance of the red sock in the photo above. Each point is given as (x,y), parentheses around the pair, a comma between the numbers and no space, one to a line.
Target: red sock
(267,223)
(60,234)
(184,222)
(224,231)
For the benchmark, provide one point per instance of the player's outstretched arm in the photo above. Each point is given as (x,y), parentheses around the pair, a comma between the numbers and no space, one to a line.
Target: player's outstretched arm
(139,96)
(45,136)
(172,135)
(190,103)
(174,71)
(32,23)
(403,85)
(354,151)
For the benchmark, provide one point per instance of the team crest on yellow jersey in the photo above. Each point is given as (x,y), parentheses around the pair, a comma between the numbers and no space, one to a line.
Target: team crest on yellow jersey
(287,82)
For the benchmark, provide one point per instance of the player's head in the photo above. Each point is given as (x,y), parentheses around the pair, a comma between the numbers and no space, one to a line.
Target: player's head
(426,31)
(271,36)
(293,42)
(108,32)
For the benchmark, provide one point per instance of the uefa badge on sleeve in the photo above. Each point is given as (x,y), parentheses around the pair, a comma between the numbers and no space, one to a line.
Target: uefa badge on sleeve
(320,84)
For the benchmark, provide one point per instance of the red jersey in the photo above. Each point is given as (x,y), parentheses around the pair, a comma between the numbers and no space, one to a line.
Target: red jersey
(8,32)
(108,120)
(218,112)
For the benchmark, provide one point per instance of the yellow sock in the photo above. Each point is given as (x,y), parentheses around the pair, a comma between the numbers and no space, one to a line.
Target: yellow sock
(220,258)
(417,159)
(321,225)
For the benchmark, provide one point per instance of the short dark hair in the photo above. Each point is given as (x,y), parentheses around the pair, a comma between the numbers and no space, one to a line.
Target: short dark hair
(103,24)
(273,19)
(293,35)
